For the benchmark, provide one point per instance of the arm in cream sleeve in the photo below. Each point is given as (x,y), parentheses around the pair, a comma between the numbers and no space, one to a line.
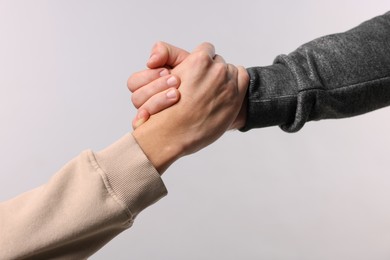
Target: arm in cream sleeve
(83,206)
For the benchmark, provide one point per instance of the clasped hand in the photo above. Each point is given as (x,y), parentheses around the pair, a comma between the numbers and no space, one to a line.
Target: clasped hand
(209,102)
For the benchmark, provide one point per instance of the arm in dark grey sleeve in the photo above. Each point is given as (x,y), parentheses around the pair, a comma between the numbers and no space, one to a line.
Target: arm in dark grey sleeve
(336,76)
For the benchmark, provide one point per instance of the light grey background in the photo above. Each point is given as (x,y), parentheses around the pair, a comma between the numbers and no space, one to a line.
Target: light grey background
(322,193)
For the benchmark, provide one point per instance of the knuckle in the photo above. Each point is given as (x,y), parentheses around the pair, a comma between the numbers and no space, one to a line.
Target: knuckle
(233,68)
(202,59)
(208,44)
(220,69)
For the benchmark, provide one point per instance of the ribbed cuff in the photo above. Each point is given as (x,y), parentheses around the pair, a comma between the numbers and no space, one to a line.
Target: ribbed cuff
(130,175)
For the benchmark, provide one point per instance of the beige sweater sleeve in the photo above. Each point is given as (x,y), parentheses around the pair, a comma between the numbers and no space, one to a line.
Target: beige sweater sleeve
(88,202)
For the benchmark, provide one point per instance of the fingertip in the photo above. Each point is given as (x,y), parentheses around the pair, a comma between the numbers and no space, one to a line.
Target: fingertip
(143,114)
(165,54)
(164,72)
(157,60)
(138,123)
(153,60)
(172,94)
(173,81)
(158,55)
(141,118)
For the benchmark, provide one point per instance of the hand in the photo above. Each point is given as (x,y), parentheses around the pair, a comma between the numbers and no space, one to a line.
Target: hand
(155,89)
(212,93)
(151,87)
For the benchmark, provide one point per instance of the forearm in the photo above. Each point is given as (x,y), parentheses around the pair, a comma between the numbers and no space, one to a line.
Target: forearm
(335,76)
(87,203)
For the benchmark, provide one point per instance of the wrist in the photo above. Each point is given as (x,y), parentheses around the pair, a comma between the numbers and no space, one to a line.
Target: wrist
(158,145)
(241,117)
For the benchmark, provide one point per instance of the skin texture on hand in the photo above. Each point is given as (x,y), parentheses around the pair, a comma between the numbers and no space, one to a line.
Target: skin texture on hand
(150,87)
(212,93)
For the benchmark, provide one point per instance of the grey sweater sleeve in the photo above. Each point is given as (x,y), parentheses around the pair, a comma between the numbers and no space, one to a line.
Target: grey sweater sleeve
(335,76)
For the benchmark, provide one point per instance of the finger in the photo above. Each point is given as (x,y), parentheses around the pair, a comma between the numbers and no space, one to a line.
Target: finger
(156,104)
(161,101)
(141,117)
(142,78)
(219,58)
(141,95)
(206,47)
(165,54)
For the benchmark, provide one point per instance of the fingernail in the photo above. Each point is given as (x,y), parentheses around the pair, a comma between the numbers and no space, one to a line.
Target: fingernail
(171,94)
(172,81)
(139,122)
(164,72)
(142,114)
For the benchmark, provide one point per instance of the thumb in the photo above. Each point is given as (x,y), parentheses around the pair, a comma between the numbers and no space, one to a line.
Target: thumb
(164,54)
